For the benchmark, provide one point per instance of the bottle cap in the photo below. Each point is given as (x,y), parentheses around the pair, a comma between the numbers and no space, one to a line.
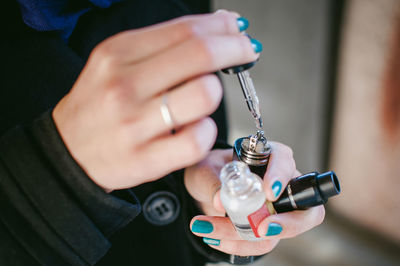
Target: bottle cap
(308,190)
(238,68)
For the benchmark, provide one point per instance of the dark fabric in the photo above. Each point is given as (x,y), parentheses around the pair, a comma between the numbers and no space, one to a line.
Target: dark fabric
(51,213)
(46,194)
(60,16)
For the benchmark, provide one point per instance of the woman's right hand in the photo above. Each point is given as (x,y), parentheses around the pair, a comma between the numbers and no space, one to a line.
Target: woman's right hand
(111,120)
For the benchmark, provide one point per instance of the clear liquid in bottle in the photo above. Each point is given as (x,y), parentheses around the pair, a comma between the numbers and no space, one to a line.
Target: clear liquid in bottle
(243,198)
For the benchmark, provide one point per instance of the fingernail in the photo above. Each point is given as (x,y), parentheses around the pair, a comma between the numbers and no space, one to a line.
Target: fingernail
(211,241)
(276,188)
(257,45)
(242,23)
(202,227)
(274,229)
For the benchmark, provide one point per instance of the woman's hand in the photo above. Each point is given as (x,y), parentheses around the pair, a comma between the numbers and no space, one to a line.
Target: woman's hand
(202,183)
(111,120)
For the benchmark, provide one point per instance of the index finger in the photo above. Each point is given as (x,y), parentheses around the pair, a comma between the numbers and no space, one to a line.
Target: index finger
(135,45)
(281,169)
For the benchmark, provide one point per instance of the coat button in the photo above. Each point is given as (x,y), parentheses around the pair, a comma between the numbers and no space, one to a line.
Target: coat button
(161,208)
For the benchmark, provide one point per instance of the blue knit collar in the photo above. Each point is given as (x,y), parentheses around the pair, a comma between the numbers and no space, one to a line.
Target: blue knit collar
(60,16)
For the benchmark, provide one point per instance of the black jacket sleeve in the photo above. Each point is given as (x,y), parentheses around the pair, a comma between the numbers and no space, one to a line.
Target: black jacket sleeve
(51,213)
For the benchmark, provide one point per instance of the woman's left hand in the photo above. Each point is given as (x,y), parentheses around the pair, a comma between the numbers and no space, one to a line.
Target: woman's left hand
(203,184)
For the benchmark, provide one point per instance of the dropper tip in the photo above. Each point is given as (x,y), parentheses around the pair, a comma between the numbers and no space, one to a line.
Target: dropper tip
(259,123)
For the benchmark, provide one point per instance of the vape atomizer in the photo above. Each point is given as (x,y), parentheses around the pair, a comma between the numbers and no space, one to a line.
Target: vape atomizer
(253,150)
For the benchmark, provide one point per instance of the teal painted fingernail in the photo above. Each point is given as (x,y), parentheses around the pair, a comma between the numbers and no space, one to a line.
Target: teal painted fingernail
(202,227)
(211,241)
(276,188)
(242,23)
(274,229)
(257,45)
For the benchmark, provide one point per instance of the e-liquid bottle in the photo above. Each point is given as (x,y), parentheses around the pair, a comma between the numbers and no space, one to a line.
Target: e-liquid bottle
(244,199)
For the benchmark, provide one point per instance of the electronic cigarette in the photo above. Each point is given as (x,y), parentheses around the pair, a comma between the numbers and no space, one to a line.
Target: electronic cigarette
(245,201)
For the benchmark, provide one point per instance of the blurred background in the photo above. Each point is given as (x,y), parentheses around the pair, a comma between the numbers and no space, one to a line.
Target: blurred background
(329,86)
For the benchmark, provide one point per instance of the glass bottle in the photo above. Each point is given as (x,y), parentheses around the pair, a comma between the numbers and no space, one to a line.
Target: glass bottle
(243,198)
